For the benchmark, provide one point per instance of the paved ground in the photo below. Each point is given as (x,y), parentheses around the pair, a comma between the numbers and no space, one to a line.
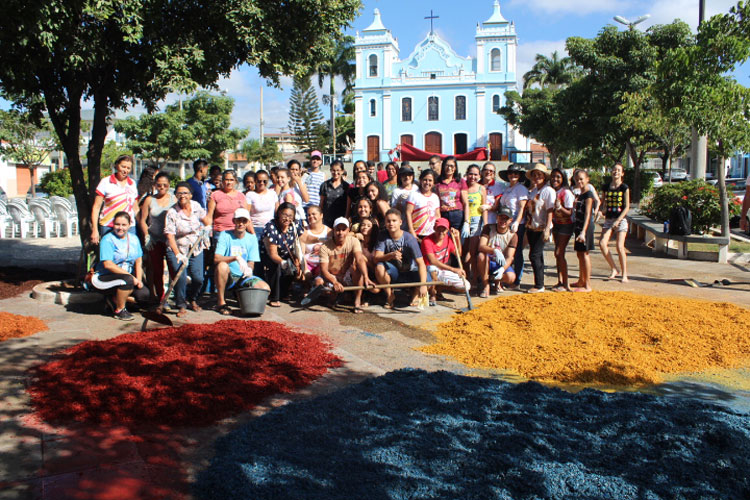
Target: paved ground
(41,461)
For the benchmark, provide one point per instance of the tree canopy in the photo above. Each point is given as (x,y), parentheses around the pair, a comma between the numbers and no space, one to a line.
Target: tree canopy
(25,142)
(305,118)
(118,53)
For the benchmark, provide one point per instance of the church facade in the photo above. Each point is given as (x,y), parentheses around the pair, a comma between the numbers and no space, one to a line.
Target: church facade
(434,99)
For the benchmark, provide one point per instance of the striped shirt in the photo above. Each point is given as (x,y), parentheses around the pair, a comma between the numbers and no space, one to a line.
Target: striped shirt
(313,182)
(117,198)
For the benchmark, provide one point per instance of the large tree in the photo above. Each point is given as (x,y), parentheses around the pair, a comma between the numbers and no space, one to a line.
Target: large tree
(118,53)
(305,118)
(617,63)
(25,142)
(695,86)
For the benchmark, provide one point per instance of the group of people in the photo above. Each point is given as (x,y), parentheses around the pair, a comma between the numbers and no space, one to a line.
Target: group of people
(287,230)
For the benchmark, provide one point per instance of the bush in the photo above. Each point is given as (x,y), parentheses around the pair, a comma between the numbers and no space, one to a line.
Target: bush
(701,198)
(57,183)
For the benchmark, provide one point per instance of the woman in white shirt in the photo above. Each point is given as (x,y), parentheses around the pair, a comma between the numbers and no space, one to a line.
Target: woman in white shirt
(515,197)
(539,210)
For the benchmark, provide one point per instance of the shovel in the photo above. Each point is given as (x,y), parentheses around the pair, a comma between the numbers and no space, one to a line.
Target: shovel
(461,267)
(157,315)
(318,290)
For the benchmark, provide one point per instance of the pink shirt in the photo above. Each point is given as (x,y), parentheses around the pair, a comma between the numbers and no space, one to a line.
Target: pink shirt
(450,195)
(225,207)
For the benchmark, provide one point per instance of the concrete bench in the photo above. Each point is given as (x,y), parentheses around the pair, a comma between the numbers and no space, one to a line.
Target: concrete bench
(640,227)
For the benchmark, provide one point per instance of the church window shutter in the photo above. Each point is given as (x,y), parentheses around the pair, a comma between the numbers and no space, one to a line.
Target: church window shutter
(433,108)
(460,107)
(406,109)
(495,60)
(373,64)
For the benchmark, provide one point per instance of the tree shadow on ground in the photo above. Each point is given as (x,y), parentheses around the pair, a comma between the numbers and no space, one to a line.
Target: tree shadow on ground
(412,434)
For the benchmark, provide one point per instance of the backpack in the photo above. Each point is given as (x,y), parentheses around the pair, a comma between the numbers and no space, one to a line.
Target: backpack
(680,221)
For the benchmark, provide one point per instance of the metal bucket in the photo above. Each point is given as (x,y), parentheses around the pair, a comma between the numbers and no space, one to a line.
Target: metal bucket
(252,300)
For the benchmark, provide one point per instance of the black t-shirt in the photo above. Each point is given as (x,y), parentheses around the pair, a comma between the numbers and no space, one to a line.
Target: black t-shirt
(580,209)
(615,200)
(335,201)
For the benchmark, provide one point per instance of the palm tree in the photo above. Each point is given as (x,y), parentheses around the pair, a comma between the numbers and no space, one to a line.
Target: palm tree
(552,72)
(340,64)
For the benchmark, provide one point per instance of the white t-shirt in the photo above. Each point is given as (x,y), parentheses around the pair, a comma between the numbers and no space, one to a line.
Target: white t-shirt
(493,192)
(300,211)
(262,207)
(512,196)
(423,216)
(543,200)
(401,196)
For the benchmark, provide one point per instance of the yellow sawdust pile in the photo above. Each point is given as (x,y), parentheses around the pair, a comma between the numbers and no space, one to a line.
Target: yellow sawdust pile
(612,338)
(14,326)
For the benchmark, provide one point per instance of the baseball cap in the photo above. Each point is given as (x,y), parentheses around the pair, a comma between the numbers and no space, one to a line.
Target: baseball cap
(316,153)
(241,213)
(341,220)
(506,211)
(442,222)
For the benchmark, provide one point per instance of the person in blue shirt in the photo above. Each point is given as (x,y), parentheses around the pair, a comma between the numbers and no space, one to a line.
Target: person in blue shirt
(119,272)
(236,254)
(198,182)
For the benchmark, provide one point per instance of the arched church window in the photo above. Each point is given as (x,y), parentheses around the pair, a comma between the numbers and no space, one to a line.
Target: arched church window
(406,109)
(373,63)
(495,103)
(433,108)
(495,60)
(460,107)
(373,107)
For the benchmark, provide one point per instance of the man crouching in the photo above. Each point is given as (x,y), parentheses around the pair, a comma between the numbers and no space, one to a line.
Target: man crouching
(343,264)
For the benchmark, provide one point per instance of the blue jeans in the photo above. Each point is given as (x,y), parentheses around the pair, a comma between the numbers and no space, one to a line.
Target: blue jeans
(402,276)
(182,293)
(518,258)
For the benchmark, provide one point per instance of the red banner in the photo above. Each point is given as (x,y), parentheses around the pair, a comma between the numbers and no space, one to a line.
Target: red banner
(410,153)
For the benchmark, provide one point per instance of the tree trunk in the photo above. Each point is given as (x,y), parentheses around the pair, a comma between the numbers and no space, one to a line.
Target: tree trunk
(552,160)
(32,176)
(636,187)
(723,199)
(67,124)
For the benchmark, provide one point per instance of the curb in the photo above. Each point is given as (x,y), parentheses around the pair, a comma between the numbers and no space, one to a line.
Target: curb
(43,293)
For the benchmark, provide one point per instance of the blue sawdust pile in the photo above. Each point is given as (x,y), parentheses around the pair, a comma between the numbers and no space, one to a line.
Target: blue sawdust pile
(419,435)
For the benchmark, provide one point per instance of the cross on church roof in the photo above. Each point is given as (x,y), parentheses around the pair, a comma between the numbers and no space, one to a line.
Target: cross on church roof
(431,17)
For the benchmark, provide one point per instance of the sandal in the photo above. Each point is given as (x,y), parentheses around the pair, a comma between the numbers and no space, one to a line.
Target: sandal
(195,307)
(357,310)
(274,303)
(223,309)
(182,312)
(389,302)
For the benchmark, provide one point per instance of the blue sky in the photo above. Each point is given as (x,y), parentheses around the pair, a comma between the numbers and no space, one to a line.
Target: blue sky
(542,27)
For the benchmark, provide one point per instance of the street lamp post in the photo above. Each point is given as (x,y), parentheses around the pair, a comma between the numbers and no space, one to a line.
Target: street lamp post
(631,24)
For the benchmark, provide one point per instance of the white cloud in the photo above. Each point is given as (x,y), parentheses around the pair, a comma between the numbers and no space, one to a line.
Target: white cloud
(666,11)
(581,7)
(527,51)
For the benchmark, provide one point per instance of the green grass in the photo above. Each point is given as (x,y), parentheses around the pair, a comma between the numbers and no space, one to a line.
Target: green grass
(734,246)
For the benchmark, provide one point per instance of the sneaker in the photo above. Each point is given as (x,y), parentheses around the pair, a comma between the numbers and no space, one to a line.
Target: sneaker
(535,290)
(124,315)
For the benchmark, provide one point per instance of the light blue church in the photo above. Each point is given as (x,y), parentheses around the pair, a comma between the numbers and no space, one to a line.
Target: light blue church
(435,100)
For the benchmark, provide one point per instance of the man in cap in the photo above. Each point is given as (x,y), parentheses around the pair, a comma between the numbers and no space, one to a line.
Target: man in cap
(236,254)
(497,247)
(342,263)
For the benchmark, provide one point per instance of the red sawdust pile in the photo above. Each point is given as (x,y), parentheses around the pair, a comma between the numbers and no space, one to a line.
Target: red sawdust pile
(191,375)
(14,326)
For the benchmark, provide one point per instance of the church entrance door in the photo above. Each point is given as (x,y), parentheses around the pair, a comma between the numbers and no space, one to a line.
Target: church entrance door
(373,148)
(433,142)
(496,146)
